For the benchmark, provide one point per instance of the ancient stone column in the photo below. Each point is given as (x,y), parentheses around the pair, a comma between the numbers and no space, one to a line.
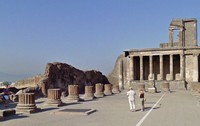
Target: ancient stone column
(171,36)
(161,67)
(195,68)
(171,67)
(73,93)
(115,89)
(107,89)
(26,103)
(99,90)
(182,70)
(165,86)
(89,94)
(195,33)
(141,68)
(131,77)
(181,37)
(54,97)
(151,68)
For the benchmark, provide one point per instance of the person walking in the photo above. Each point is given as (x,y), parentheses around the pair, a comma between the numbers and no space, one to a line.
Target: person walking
(141,96)
(131,99)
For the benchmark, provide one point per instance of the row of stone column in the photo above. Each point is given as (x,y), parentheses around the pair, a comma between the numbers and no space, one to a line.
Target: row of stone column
(151,77)
(100,91)
(27,100)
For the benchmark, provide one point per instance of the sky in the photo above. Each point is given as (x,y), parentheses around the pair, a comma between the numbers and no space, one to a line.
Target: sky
(87,34)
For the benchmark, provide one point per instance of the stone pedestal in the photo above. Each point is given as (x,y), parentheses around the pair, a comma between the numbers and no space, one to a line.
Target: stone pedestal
(141,87)
(165,86)
(107,89)
(89,95)
(73,93)
(99,90)
(115,89)
(152,90)
(53,96)
(152,87)
(26,103)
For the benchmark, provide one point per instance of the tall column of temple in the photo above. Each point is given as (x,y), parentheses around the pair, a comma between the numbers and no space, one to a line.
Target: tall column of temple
(171,33)
(195,33)
(131,74)
(182,70)
(171,67)
(195,68)
(141,68)
(127,74)
(150,67)
(161,67)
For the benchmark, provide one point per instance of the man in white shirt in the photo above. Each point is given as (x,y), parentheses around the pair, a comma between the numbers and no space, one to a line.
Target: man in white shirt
(131,99)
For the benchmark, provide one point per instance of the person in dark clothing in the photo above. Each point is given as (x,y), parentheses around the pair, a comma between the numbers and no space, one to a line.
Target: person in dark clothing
(141,96)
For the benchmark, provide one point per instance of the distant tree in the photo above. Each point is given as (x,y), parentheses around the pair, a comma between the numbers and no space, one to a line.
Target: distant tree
(5,83)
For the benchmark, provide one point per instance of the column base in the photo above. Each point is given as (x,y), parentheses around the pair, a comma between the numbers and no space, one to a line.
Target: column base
(107,93)
(100,95)
(88,97)
(52,102)
(28,111)
(73,98)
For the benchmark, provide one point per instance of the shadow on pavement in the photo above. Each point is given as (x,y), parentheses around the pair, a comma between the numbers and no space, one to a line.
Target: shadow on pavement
(16,116)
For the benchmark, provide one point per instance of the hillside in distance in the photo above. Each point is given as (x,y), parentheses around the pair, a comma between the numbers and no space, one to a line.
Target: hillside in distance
(12,77)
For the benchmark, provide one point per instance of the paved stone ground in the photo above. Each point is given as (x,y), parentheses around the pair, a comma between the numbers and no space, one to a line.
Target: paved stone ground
(178,108)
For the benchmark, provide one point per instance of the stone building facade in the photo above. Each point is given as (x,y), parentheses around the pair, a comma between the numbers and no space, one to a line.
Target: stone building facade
(176,62)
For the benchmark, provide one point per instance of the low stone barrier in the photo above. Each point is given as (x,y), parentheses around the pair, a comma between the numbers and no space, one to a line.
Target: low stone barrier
(7,112)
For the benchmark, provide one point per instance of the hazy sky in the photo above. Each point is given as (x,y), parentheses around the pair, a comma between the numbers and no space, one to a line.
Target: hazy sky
(88,34)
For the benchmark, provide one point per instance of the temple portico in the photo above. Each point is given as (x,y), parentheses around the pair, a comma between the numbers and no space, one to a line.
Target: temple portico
(164,65)
(150,66)
(176,62)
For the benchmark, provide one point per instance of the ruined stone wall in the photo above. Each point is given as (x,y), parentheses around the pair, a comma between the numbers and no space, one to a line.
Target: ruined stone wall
(60,75)
(122,63)
(29,82)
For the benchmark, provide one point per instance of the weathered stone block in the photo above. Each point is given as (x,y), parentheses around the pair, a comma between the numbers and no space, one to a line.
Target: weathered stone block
(7,112)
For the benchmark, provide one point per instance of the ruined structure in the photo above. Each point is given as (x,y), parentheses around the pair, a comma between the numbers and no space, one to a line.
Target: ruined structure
(60,75)
(176,62)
